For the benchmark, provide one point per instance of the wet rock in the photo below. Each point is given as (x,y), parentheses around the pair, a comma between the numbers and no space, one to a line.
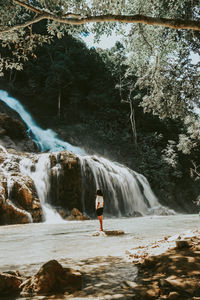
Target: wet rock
(19,203)
(13,134)
(174,238)
(180,244)
(113,232)
(51,279)
(10,214)
(9,284)
(24,194)
(77,215)
(66,185)
(174,296)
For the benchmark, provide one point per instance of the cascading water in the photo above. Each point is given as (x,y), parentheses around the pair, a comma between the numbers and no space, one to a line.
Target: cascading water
(40,174)
(126,192)
(45,139)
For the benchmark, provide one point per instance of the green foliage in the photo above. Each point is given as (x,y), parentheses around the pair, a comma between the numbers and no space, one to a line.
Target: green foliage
(153,63)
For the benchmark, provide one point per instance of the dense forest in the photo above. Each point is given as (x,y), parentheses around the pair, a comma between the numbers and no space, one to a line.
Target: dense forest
(83,94)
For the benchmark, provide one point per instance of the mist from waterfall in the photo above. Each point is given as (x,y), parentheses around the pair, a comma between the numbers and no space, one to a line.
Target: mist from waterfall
(126,192)
(45,139)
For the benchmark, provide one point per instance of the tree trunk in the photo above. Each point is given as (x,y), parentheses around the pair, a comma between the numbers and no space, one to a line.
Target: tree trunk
(133,124)
(59,105)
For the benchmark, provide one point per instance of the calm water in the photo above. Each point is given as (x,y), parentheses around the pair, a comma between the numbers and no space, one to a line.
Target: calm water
(36,243)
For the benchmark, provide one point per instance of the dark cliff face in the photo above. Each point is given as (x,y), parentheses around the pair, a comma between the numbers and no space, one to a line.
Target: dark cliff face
(66,186)
(13,131)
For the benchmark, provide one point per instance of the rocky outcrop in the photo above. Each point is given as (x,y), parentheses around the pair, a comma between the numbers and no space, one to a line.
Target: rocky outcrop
(13,134)
(19,203)
(66,185)
(24,194)
(10,283)
(51,279)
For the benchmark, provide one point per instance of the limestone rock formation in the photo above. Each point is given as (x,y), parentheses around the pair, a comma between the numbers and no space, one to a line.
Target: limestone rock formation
(52,278)
(19,200)
(19,203)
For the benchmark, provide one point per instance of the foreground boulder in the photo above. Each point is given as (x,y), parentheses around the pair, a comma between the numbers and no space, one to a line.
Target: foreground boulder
(10,283)
(51,279)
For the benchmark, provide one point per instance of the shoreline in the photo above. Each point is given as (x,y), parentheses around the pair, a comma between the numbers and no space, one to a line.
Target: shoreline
(134,274)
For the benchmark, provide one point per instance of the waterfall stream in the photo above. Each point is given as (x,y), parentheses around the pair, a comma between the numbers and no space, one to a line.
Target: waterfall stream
(40,174)
(45,139)
(126,192)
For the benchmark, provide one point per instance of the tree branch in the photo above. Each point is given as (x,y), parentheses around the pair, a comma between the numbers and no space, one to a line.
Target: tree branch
(40,11)
(29,7)
(78,20)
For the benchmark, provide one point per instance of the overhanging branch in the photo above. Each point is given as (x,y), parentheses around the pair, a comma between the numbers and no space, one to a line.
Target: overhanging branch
(73,19)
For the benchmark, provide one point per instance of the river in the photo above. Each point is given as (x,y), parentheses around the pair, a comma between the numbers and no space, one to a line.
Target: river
(103,258)
(37,243)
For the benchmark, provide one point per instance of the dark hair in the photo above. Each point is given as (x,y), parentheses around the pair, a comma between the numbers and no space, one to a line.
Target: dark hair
(99,193)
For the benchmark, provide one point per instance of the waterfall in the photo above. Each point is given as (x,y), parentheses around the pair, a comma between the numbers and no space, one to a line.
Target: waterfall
(40,174)
(46,139)
(126,192)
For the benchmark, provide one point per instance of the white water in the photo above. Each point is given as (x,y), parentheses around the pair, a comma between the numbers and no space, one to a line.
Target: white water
(40,174)
(45,139)
(126,192)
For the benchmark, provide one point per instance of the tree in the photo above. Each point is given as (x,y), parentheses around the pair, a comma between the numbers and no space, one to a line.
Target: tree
(153,53)
(82,12)
(18,18)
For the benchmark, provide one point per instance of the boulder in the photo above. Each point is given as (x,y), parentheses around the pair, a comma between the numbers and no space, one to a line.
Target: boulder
(51,279)
(24,194)
(180,244)
(13,134)
(9,283)
(10,214)
(76,215)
